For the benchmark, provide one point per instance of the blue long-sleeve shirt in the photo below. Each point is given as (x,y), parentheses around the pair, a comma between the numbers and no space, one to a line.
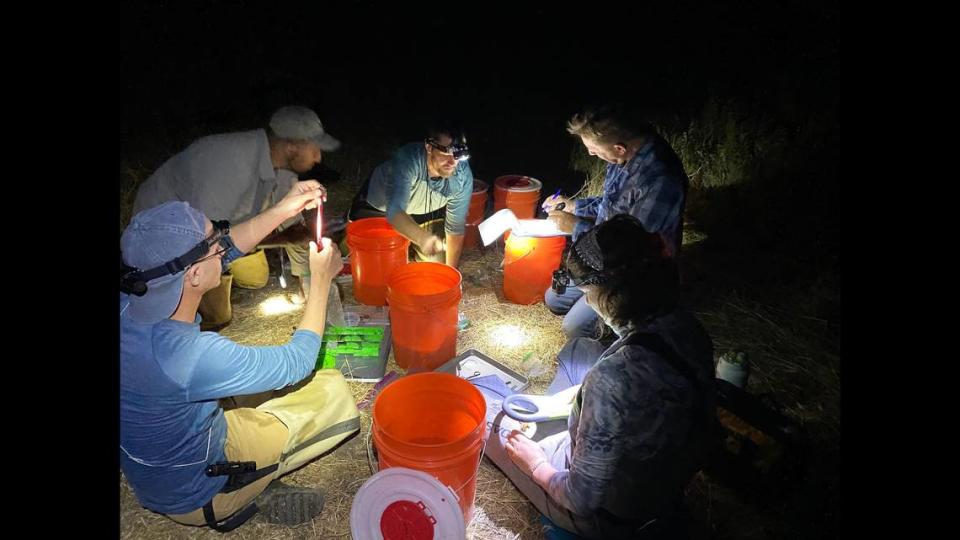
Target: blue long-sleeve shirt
(402,184)
(651,186)
(171,425)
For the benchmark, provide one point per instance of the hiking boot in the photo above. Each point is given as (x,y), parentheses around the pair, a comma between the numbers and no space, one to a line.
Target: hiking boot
(289,505)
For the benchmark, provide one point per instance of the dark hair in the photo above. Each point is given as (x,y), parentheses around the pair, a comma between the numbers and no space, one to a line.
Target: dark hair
(639,282)
(436,129)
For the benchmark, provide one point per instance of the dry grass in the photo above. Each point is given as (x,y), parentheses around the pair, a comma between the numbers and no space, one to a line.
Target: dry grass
(788,359)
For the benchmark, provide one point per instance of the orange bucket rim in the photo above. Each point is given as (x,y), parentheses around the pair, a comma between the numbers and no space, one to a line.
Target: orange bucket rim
(360,227)
(466,387)
(417,267)
(532,184)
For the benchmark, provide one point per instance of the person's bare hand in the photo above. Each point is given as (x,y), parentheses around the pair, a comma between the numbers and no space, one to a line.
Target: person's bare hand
(328,262)
(564,220)
(524,453)
(432,245)
(302,196)
(553,201)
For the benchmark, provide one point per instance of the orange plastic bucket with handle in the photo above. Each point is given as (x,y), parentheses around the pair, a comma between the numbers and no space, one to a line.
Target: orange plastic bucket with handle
(435,423)
(423,298)
(528,266)
(518,193)
(478,206)
(376,250)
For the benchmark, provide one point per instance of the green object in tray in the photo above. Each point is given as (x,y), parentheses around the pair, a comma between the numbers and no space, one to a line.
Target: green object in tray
(355,345)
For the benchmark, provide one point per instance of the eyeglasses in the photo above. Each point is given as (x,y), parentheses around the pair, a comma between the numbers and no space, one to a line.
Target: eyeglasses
(134,280)
(217,253)
(217,237)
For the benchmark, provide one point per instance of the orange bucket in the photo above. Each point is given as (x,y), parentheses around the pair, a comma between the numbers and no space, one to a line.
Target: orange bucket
(434,423)
(478,206)
(376,250)
(518,193)
(423,298)
(528,265)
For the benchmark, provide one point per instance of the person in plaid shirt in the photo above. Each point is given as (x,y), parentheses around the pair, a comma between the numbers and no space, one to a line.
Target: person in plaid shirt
(644,178)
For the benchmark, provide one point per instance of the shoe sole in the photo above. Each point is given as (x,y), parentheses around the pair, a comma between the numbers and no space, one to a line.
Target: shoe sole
(291,506)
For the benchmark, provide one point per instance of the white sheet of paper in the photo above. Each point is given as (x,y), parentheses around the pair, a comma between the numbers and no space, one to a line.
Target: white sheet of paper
(494,226)
(538,227)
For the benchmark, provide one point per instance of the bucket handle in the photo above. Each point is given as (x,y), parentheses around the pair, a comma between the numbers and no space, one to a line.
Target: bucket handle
(518,259)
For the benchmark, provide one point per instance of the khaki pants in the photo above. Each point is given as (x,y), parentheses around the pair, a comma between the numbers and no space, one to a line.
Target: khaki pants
(290,427)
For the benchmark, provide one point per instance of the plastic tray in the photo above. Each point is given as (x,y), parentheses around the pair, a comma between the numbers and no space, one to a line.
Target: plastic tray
(473,363)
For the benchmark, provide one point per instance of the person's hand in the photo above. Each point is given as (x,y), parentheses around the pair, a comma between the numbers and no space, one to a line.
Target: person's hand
(432,245)
(553,201)
(525,454)
(564,220)
(309,186)
(328,262)
(302,196)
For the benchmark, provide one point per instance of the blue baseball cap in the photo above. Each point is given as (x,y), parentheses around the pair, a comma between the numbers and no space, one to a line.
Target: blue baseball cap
(154,237)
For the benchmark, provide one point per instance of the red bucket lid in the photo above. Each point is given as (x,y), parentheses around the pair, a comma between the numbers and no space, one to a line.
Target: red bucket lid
(406,504)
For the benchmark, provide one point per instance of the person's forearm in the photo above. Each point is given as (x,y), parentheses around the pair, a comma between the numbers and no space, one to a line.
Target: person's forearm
(542,475)
(405,225)
(248,234)
(454,247)
(315,311)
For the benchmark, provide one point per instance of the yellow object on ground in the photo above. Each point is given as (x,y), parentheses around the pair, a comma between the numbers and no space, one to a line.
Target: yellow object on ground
(251,271)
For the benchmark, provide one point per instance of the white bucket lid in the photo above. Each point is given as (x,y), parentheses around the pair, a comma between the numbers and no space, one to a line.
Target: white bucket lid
(540,228)
(402,499)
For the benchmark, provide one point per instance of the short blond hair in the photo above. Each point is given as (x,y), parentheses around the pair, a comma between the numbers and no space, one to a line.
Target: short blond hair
(607,124)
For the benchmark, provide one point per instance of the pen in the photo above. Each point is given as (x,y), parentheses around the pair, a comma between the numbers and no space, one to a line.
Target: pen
(554,196)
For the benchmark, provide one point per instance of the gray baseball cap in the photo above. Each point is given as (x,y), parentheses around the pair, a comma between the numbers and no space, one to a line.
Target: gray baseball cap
(301,123)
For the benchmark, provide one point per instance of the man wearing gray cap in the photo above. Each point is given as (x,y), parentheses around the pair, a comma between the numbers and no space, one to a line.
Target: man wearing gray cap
(235,176)
(206,423)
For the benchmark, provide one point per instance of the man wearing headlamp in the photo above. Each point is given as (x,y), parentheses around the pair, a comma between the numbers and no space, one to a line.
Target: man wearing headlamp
(206,423)
(424,191)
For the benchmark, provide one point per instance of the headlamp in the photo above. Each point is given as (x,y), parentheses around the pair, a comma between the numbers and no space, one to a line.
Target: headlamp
(457,148)
(562,279)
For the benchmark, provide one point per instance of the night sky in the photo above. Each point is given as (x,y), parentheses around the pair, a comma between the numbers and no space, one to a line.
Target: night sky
(512,76)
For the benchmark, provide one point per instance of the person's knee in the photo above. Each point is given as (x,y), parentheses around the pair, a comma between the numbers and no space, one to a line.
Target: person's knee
(555,303)
(299,260)
(575,327)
